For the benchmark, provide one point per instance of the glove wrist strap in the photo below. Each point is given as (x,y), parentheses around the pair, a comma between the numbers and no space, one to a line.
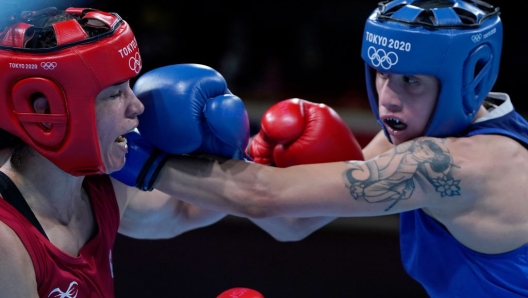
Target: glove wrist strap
(150,171)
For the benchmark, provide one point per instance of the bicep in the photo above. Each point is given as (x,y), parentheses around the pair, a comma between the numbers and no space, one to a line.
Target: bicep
(422,173)
(17,275)
(419,174)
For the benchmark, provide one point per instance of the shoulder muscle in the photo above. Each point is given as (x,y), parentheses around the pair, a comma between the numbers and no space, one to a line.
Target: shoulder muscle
(17,275)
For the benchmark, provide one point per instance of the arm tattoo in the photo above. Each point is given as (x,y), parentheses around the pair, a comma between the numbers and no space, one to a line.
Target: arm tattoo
(390,177)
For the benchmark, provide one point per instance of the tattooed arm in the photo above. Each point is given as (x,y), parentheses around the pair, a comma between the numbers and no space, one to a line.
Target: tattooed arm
(400,179)
(390,177)
(481,201)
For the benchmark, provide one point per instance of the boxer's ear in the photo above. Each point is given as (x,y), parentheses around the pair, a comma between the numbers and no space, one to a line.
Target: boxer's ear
(41,106)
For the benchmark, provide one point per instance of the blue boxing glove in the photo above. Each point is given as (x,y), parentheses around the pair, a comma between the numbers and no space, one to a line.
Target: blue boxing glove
(188,108)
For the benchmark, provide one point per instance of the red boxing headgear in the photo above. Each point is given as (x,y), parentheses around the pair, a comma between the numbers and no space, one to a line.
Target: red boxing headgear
(70,76)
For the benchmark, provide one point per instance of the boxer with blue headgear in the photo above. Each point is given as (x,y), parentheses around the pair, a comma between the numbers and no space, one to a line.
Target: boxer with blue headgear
(450,159)
(457,42)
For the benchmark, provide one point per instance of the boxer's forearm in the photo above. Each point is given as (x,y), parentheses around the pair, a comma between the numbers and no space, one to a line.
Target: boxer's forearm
(231,186)
(220,184)
(252,190)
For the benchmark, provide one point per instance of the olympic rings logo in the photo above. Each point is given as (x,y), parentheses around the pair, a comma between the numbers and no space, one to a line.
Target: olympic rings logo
(48,65)
(476,37)
(135,63)
(382,58)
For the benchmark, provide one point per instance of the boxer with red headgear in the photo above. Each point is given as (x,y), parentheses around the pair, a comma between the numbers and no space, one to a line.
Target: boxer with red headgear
(65,107)
(70,75)
(64,80)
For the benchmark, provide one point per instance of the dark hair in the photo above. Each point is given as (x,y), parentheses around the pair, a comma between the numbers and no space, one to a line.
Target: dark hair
(43,35)
(19,149)
(6,139)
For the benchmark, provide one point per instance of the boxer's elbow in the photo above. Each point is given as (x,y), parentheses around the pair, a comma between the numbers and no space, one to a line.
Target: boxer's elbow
(252,203)
(261,203)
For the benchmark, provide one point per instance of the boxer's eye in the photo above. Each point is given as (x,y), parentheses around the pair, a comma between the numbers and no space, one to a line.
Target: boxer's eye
(409,79)
(116,94)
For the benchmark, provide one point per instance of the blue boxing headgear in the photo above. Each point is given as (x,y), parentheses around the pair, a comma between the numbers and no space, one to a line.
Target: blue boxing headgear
(458,42)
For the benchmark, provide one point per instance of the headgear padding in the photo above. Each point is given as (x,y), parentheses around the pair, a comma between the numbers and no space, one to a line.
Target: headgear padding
(70,75)
(456,41)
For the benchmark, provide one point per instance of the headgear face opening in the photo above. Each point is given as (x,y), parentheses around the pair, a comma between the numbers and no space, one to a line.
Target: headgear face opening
(70,75)
(458,42)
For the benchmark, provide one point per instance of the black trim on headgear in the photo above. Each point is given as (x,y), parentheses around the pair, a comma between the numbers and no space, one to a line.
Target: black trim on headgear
(41,17)
(386,15)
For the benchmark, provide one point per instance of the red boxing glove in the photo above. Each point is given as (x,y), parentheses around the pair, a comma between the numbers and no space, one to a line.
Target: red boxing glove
(295,131)
(240,293)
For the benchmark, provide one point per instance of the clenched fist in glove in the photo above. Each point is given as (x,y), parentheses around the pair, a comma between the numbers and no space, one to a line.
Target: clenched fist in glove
(296,131)
(188,108)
